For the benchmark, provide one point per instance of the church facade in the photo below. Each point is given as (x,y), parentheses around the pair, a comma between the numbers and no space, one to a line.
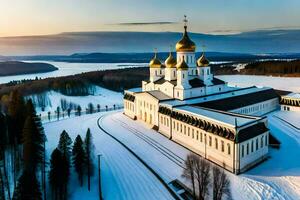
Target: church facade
(185,102)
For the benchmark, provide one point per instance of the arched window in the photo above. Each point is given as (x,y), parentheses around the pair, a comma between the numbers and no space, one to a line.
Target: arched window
(209,141)
(216,143)
(252,146)
(256,144)
(182,76)
(262,142)
(174,73)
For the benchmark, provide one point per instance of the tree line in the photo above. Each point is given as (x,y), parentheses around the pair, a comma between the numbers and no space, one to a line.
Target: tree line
(206,179)
(22,148)
(23,155)
(80,84)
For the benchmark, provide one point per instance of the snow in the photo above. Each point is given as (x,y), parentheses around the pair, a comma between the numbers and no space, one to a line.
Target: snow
(123,176)
(276,178)
(101,96)
(280,83)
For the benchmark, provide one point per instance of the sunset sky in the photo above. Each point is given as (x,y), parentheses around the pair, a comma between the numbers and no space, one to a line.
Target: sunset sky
(40,17)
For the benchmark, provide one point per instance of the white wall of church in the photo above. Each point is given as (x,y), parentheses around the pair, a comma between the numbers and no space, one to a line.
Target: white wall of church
(259,109)
(188,57)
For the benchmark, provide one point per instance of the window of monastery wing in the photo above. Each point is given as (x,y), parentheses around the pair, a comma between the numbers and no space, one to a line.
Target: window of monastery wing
(252,146)
(216,143)
(228,149)
(266,140)
(222,146)
(242,150)
(209,140)
(247,148)
(256,144)
(262,142)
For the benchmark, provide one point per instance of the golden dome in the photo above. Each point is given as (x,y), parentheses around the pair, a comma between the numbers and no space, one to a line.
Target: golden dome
(155,63)
(185,44)
(182,66)
(170,61)
(202,61)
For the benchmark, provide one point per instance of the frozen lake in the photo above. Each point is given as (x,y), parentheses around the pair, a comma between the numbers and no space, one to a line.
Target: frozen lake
(65,68)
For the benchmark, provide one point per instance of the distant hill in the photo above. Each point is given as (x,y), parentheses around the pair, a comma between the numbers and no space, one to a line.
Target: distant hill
(16,68)
(255,42)
(145,57)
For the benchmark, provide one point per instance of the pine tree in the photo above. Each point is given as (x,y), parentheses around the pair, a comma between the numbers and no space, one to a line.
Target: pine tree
(79,158)
(28,187)
(33,139)
(64,146)
(17,114)
(89,150)
(56,174)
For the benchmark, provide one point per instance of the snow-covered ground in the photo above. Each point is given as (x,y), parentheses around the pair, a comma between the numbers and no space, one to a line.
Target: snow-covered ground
(124,177)
(101,96)
(280,83)
(277,178)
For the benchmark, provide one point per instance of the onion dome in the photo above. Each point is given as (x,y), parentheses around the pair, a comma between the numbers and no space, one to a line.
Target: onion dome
(155,63)
(185,44)
(170,61)
(182,65)
(202,61)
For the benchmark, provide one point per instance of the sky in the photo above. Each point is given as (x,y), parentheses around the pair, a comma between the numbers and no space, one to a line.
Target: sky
(43,17)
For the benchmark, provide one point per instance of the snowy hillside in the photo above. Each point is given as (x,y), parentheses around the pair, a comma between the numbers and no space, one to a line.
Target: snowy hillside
(52,100)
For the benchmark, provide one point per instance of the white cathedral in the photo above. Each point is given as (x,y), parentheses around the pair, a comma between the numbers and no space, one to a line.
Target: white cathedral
(185,102)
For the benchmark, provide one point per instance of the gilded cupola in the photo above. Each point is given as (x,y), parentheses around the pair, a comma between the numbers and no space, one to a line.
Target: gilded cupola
(170,61)
(202,61)
(182,65)
(155,62)
(185,44)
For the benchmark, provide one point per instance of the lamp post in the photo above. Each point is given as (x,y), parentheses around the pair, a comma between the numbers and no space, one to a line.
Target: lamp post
(99,178)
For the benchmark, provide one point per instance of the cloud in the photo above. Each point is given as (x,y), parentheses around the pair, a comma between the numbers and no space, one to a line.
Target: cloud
(143,23)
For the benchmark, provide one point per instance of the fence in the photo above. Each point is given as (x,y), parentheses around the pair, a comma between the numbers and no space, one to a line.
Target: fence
(57,116)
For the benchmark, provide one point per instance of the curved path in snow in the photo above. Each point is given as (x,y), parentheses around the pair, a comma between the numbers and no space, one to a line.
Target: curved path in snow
(123,176)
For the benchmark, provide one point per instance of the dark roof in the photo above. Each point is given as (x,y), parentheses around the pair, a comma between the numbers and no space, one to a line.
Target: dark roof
(235,102)
(251,132)
(159,95)
(217,81)
(196,82)
(163,80)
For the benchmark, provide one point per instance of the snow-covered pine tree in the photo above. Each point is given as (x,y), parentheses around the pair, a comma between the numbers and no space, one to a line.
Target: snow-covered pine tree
(79,158)
(89,150)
